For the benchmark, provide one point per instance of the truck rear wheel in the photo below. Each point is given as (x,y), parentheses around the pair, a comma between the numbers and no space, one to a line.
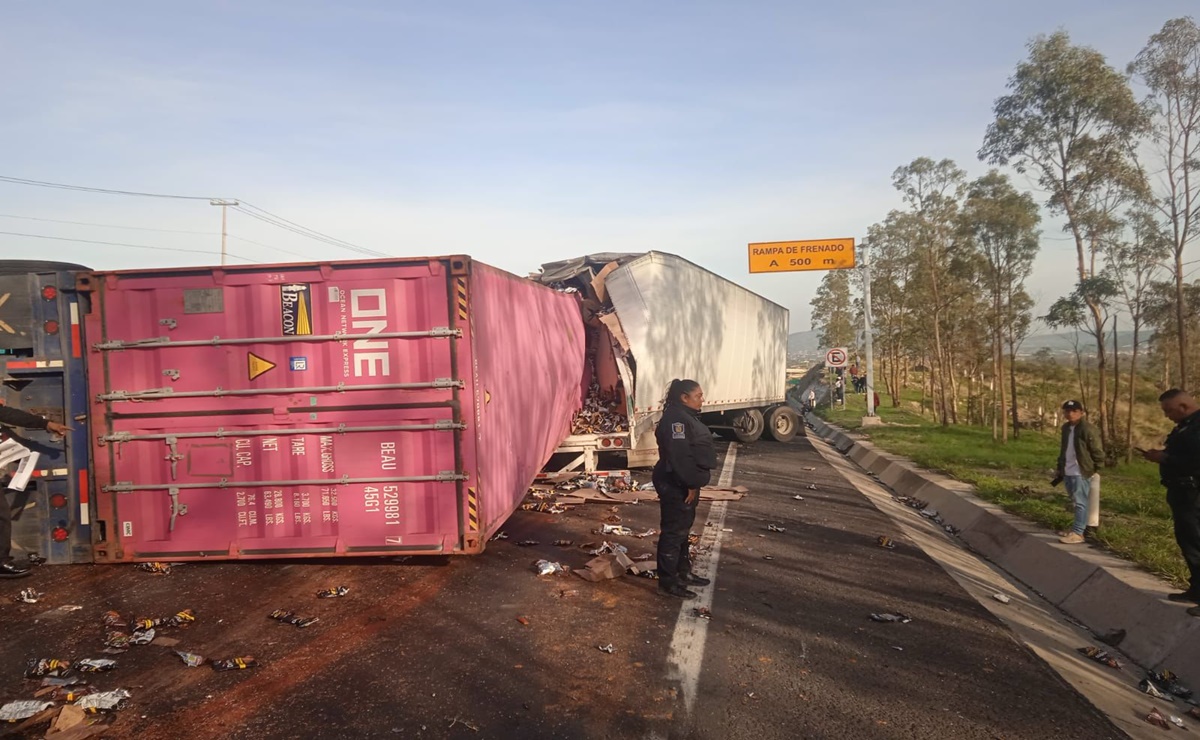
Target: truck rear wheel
(748,426)
(783,423)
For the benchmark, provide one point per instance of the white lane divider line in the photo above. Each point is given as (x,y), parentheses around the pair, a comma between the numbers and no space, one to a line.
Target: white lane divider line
(687,645)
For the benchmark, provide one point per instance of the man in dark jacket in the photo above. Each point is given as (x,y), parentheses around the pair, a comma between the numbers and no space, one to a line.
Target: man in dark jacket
(686,457)
(1079,455)
(10,417)
(1179,469)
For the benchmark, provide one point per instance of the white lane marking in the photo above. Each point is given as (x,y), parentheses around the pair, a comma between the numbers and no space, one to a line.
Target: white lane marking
(687,645)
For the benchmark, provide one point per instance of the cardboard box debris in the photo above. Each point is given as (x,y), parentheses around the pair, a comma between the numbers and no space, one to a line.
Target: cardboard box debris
(605,567)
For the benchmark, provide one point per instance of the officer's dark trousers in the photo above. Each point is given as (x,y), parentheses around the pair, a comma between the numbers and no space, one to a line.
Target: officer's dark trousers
(1185,510)
(5,523)
(678,516)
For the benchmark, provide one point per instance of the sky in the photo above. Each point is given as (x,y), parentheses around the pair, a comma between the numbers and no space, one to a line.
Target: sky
(518,133)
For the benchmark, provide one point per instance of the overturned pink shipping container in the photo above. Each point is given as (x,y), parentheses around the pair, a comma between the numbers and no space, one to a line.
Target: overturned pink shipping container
(314,410)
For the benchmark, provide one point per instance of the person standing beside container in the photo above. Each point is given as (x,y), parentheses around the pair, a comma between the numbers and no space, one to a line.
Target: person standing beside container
(686,457)
(10,417)
(1079,455)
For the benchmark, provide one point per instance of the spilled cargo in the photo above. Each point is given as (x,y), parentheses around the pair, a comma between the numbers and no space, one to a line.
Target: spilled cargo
(315,410)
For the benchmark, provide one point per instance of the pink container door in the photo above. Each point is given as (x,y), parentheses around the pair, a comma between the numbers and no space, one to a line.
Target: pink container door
(294,410)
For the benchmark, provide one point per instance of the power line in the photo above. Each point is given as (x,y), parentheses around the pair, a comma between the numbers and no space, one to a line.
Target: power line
(342,242)
(268,246)
(120,244)
(314,235)
(145,228)
(108,191)
(107,226)
(266,216)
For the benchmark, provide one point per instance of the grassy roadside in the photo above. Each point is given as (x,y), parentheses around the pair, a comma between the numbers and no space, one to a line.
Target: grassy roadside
(1135,522)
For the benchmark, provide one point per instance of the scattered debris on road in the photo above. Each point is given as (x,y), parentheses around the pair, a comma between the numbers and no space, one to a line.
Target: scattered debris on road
(528,543)
(775,528)
(604,567)
(28,596)
(464,723)
(547,568)
(1178,722)
(1194,712)
(812,487)
(606,648)
(563,543)
(333,593)
(15,711)
(523,620)
(768,557)
(702,612)
(499,536)
(1100,656)
(142,624)
(1149,688)
(47,667)
(1168,681)
(158,569)
(1155,718)
(1002,598)
(808,469)
(35,559)
(286,617)
(929,513)
(901,618)
(885,542)
(648,533)
(235,664)
(105,701)
(191,660)
(798,497)
(94,665)
(616,529)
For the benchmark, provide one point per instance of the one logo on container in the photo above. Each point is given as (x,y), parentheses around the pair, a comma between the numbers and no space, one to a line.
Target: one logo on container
(295,306)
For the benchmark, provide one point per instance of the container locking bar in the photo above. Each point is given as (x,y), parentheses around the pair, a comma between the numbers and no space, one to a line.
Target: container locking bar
(446,476)
(440,332)
(152,393)
(177,509)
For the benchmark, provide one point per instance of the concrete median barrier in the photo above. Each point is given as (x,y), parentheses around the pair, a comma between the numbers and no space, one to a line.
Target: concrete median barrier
(1099,590)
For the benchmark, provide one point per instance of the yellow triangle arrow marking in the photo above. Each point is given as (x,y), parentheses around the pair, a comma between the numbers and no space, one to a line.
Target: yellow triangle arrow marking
(258,365)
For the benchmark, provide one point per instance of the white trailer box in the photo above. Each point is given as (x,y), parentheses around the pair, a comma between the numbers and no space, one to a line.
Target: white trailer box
(671,319)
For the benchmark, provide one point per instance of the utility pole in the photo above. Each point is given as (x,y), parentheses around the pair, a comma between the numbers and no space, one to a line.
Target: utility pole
(866,268)
(224,205)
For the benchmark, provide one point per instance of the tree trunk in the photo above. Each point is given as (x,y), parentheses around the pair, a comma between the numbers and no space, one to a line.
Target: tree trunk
(1179,319)
(1101,375)
(1132,393)
(1012,377)
(1112,416)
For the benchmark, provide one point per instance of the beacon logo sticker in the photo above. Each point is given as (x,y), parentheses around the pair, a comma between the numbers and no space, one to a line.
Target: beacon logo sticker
(295,307)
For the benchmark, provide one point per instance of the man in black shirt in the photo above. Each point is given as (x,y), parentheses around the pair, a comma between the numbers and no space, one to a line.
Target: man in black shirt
(1179,469)
(10,417)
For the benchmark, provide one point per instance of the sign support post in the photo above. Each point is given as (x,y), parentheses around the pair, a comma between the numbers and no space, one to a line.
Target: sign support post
(866,268)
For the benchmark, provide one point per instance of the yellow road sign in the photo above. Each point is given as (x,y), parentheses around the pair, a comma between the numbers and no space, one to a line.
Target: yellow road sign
(815,254)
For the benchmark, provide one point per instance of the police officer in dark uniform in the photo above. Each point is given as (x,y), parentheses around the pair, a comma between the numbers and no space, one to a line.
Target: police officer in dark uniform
(686,457)
(1179,469)
(11,417)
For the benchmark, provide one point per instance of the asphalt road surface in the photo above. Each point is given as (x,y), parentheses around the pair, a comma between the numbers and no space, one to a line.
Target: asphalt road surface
(482,647)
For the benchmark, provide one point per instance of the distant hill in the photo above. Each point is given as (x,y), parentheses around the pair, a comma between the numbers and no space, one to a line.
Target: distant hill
(804,344)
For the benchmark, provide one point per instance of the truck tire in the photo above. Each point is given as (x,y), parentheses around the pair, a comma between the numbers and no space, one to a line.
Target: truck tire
(748,426)
(783,423)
